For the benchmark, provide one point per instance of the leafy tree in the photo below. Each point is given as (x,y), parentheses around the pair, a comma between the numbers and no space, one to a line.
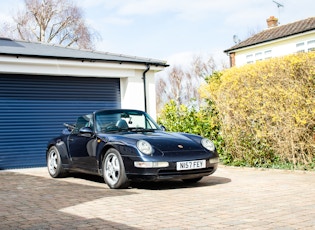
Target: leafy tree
(51,21)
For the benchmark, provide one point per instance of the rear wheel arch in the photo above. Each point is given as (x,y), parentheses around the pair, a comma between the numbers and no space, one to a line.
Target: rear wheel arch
(62,149)
(54,163)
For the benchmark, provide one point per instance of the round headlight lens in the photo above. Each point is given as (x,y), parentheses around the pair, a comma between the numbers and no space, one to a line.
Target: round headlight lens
(206,143)
(145,147)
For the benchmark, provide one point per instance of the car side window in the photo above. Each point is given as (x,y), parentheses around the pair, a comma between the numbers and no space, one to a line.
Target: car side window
(83,121)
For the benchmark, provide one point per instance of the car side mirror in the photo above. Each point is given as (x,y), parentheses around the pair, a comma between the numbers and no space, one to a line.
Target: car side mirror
(163,128)
(86,132)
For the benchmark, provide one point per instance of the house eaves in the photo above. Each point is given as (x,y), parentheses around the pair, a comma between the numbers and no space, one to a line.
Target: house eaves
(39,50)
(275,33)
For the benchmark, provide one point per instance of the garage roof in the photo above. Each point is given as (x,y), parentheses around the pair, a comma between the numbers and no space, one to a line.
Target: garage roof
(36,49)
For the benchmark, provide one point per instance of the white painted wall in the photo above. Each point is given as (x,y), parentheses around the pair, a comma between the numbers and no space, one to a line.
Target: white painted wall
(132,92)
(131,82)
(278,48)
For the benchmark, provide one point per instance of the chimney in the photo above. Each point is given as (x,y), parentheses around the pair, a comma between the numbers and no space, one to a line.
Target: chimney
(272,22)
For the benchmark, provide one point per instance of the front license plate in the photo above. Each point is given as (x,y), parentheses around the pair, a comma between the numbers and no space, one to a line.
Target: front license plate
(187,165)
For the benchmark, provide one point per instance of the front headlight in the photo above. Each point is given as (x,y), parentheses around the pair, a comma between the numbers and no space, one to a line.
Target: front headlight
(145,147)
(206,143)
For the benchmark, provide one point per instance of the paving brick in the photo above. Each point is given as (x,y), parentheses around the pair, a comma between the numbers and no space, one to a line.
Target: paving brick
(232,198)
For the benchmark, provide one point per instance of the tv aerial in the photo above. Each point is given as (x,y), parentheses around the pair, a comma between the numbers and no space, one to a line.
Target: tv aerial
(236,39)
(279,5)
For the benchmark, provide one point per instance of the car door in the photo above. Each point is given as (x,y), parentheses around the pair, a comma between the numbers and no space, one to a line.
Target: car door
(82,145)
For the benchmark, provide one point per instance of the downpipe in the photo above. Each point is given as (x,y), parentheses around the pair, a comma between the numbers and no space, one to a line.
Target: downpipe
(144,87)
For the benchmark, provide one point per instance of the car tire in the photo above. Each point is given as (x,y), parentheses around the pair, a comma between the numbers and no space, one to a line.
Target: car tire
(192,180)
(54,163)
(114,170)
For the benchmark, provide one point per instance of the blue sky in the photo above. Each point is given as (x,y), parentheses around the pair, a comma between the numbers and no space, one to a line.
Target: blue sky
(175,30)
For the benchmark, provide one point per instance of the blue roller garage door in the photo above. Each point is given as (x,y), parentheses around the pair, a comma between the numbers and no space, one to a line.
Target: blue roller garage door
(34,108)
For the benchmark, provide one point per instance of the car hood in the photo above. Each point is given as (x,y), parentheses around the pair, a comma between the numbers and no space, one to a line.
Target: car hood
(163,141)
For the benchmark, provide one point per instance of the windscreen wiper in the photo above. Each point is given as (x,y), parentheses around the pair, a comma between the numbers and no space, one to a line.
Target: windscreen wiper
(140,129)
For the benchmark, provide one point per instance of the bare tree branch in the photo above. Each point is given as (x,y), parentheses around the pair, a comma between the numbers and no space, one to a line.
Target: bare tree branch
(53,21)
(182,85)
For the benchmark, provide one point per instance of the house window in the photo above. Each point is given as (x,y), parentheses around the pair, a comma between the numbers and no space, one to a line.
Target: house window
(300,47)
(258,56)
(268,54)
(311,45)
(249,58)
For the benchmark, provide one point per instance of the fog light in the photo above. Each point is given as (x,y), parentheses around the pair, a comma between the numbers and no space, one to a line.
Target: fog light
(144,164)
(214,160)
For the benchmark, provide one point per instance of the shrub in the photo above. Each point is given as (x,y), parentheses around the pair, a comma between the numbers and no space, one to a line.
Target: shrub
(267,111)
(203,122)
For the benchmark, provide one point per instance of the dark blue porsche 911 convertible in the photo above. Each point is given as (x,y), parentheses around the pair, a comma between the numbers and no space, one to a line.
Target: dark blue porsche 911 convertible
(124,145)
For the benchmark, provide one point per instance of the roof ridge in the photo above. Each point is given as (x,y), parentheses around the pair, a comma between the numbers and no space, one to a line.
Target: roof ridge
(296,21)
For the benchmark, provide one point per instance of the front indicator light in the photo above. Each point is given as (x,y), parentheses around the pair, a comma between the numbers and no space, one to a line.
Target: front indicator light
(214,160)
(144,164)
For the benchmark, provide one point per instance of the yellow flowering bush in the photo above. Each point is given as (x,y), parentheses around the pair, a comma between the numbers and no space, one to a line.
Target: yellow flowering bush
(267,111)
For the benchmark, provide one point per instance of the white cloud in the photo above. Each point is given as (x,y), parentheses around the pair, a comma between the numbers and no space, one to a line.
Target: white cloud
(184,59)
(117,20)
(184,9)
(5,18)
(8,9)
(180,59)
(190,10)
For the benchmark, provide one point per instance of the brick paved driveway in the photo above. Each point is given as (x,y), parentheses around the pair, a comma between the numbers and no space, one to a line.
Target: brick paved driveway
(232,198)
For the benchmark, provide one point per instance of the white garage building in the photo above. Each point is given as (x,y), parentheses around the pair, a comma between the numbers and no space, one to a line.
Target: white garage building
(42,86)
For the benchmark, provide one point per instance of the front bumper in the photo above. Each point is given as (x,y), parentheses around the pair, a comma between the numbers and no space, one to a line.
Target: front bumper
(170,172)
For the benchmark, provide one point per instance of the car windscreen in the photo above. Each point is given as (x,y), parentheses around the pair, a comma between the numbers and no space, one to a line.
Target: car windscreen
(121,120)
